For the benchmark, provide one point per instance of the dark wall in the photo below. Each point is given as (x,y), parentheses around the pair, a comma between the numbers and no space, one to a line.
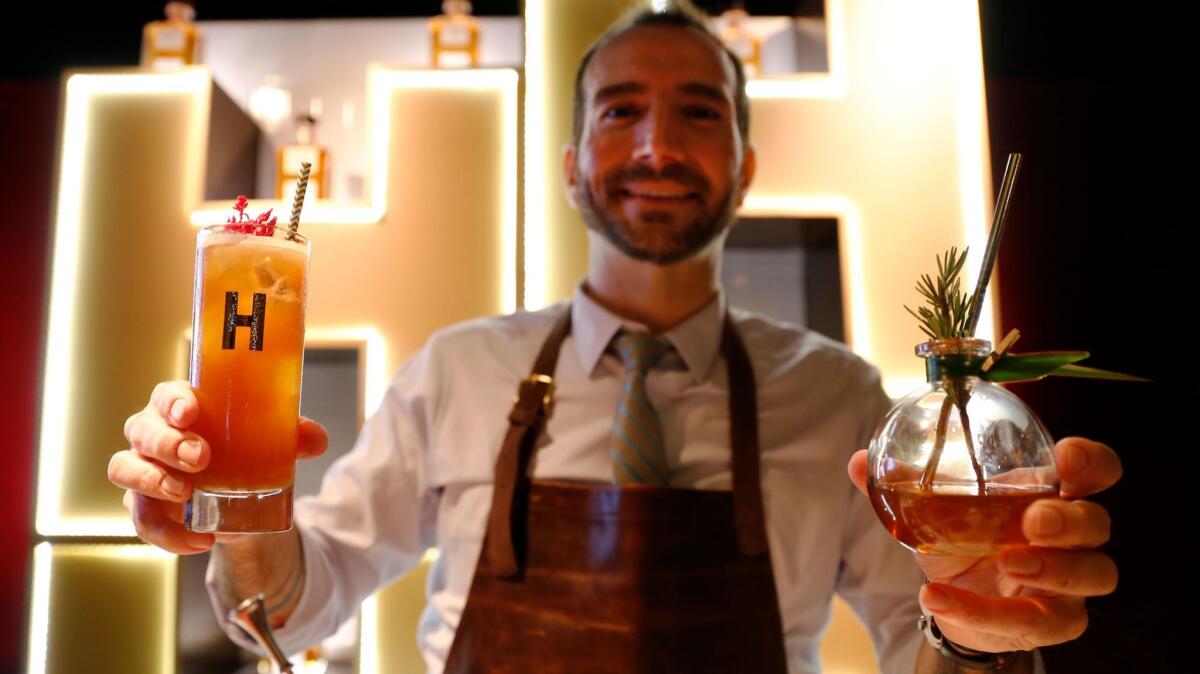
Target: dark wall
(1093,259)
(28,121)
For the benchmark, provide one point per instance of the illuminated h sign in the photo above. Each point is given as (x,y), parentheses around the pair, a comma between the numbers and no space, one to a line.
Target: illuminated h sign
(383,276)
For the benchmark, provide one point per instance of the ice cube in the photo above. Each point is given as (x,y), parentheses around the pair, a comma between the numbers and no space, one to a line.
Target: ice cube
(284,290)
(266,276)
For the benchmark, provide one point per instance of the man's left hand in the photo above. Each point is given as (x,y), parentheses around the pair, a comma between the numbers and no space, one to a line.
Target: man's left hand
(1033,595)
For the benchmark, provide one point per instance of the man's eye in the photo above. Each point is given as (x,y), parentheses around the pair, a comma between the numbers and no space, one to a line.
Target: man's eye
(618,112)
(702,112)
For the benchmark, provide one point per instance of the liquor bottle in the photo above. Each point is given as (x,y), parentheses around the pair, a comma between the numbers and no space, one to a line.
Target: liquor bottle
(740,41)
(304,149)
(173,42)
(455,36)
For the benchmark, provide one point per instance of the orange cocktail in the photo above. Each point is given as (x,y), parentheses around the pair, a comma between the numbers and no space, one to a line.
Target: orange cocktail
(247,352)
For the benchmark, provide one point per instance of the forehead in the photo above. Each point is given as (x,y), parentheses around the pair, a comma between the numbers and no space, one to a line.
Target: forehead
(669,55)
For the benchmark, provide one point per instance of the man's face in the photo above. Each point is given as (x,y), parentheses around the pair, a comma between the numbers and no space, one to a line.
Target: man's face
(659,169)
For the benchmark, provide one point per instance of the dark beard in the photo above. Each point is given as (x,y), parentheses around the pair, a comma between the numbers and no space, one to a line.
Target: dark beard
(696,234)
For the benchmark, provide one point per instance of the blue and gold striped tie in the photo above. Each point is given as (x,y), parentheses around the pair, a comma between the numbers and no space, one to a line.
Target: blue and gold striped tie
(639,456)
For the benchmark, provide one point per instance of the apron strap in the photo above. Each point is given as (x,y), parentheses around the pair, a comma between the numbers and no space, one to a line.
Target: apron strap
(743,437)
(535,395)
(532,407)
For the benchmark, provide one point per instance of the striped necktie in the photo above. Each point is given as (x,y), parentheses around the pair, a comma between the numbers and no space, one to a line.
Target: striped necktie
(639,455)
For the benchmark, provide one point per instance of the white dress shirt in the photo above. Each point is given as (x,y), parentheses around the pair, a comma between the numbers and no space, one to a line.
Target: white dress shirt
(420,473)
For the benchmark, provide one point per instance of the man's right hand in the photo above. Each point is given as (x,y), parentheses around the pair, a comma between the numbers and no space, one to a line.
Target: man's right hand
(157,470)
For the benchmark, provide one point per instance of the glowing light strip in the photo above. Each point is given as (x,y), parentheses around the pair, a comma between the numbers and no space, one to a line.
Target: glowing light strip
(170,592)
(830,85)
(66,527)
(535,150)
(971,142)
(81,90)
(368,634)
(39,612)
(508,194)
(379,117)
(850,240)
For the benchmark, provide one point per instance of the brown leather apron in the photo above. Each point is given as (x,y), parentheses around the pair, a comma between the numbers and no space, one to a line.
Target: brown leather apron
(592,578)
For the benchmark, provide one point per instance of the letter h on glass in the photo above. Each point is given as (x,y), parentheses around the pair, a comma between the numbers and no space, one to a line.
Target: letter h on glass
(256,321)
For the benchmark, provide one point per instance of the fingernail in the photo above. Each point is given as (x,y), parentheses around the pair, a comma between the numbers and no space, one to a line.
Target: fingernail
(177,408)
(189,452)
(1075,460)
(172,486)
(1021,562)
(1047,521)
(935,599)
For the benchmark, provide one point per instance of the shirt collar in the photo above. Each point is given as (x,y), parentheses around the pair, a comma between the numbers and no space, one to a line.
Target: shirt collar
(697,339)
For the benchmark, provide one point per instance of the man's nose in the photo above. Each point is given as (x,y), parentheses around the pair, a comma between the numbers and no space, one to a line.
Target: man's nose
(658,143)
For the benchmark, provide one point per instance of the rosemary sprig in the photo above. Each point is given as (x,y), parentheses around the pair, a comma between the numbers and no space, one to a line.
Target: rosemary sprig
(948,310)
(947,316)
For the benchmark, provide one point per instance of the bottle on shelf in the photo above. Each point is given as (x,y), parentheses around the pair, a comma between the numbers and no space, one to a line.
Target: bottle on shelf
(746,45)
(455,36)
(304,149)
(172,42)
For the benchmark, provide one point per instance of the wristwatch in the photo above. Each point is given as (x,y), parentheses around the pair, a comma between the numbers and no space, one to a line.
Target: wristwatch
(967,657)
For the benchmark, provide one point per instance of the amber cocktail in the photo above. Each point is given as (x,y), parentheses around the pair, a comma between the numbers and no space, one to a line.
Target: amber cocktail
(952,519)
(247,352)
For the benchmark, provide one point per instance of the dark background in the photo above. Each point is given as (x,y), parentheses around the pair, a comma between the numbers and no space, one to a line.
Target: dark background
(1093,258)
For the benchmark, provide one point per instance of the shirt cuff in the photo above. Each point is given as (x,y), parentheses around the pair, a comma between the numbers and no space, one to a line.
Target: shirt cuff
(303,628)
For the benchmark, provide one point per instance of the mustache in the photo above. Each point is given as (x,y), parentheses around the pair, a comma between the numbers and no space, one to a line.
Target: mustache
(675,172)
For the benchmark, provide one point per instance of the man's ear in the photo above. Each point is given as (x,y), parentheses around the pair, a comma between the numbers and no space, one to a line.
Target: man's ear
(571,172)
(749,164)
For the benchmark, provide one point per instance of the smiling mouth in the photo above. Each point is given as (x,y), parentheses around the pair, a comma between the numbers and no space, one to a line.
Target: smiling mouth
(664,195)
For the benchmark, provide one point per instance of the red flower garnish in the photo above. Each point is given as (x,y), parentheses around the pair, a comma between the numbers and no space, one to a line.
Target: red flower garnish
(262,225)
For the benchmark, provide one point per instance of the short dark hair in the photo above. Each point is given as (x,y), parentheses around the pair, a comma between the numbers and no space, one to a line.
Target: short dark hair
(680,13)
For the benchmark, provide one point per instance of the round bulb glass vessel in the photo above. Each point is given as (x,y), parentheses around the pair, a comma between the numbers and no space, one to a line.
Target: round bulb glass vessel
(954,464)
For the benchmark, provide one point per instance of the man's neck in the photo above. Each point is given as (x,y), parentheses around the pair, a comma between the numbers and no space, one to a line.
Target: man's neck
(659,297)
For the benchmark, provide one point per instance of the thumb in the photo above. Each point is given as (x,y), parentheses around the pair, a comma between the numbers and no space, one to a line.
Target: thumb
(312,439)
(857,468)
